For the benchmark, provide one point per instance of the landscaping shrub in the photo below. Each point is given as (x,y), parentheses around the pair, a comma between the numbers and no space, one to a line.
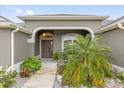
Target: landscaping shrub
(61,59)
(30,65)
(60,56)
(1,85)
(7,78)
(120,75)
(60,69)
(13,74)
(88,63)
(56,56)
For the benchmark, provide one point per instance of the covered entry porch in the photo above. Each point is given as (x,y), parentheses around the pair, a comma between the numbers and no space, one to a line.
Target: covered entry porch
(48,41)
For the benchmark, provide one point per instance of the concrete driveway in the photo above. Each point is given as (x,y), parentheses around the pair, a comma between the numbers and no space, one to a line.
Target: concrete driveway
(43,78)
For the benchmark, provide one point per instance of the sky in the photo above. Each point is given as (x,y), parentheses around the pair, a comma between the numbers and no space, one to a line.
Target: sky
(11,12)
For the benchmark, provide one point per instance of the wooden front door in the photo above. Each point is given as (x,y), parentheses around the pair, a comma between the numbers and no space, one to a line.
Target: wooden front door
(47,48)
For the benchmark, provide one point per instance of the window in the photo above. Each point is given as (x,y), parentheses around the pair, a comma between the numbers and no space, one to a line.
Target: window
(68,39)
(67,42)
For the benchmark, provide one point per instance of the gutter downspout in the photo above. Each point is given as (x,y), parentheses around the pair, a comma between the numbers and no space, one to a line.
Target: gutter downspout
(120,26)
(12,47)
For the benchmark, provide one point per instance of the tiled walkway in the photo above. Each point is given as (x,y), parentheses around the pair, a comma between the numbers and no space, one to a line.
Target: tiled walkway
(44,78)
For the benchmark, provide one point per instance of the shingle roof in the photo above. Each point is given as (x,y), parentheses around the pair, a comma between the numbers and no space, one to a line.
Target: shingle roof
(3,19)
(106,22)
(112,25)
(5,23)
(120,18)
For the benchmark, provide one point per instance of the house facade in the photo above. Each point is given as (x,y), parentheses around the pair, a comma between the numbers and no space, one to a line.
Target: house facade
(43,35)
(49,32)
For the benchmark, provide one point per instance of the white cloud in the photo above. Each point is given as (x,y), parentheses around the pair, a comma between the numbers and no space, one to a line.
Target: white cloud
(18,10)
(29,12)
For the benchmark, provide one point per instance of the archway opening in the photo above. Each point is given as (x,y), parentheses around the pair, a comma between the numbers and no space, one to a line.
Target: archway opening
(55,34)
(43,46)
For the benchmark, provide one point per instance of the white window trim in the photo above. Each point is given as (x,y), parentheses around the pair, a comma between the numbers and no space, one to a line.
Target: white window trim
(68,37)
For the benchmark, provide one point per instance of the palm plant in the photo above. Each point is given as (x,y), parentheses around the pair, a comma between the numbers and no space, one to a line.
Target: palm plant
(88,63)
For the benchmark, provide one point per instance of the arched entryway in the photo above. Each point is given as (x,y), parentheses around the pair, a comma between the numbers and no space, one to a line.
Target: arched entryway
(51,39)
(46,44)
(43,46)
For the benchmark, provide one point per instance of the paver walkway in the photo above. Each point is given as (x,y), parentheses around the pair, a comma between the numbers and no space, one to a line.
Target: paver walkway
(43,78)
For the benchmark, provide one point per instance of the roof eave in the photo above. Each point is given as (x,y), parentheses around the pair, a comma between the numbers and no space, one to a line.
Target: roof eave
(62,17)
(22,29)
(25,30)
(6,25)
(106,29)
(13,26)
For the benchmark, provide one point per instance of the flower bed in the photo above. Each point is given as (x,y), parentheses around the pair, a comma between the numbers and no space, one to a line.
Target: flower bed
(109,83)
(88,65)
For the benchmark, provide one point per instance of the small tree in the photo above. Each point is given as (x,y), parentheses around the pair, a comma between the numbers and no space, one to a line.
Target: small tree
(88,63)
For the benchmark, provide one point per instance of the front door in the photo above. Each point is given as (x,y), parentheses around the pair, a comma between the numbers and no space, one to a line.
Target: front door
(47,48)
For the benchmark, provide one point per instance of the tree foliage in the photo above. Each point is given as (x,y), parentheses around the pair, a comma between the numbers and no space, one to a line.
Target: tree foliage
(88,63)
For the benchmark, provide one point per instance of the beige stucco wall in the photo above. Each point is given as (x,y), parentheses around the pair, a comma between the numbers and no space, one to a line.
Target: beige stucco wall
(115,39)
(4,47)
(22,47)
(35,24)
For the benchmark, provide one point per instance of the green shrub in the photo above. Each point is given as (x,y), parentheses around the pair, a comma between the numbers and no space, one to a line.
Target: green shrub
(61,69)
(60,56)
(7,78)
(13,74)
(88,63)
(56,56)
(120,75)
(68,71)
(1,85)
(30,65)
